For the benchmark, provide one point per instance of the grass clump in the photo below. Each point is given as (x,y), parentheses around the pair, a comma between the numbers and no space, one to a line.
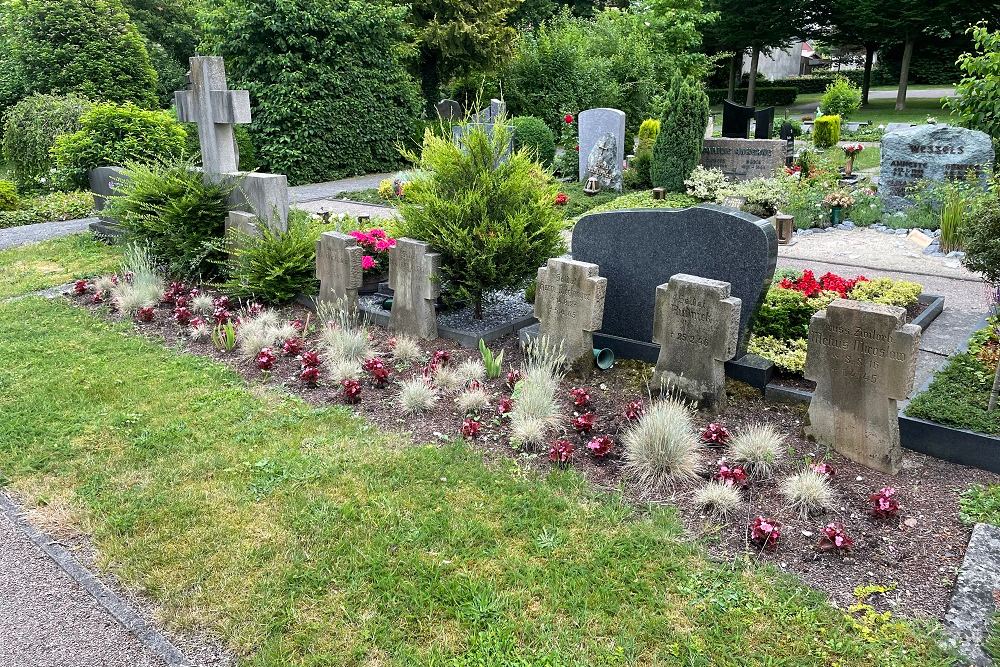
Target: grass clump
(416,396)
(472,401)
(406,351)
(980,504)
(807,492)
(758,447)
(662,447)
(721,500)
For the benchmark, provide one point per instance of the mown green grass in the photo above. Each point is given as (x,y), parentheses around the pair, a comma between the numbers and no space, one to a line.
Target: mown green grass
(303,536)
(981,504)
(50,263)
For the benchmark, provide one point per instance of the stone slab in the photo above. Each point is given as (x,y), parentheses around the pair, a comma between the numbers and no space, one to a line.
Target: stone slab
(593,125)
(977,595)
(744,159)
(569,305)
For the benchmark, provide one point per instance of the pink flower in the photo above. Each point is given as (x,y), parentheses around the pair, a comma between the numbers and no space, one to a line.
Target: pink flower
(601,446)
(367,262)
(383,244)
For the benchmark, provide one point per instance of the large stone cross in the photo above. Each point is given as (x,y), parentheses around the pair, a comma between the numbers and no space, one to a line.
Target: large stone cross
(413,277)
(697,325)
(569,305)
(863,359)
(209,103)
(338,268)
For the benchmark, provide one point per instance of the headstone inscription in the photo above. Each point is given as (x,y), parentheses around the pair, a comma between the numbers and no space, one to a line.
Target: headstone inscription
(862,358)
(744,159)
(933,153)
(605,165)
(413,279)
(594,125)
(709,241)
(736,120)
(338,268)
(763,123)
(696,324)
(569,305)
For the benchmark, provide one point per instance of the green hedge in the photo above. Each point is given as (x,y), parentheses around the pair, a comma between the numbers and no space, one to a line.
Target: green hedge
(767,96)
(677,149)
(32,126)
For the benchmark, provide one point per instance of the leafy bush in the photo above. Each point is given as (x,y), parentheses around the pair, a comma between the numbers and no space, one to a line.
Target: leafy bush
(706,184)
(30,131)
(170,208)
(826,131)
(887,291)
(276,266)
(785,314)
(9,201)
(981,234)
(112,134)
(867,209)
(494,221)
(794,122)
(88,47)
(841,98)
(329,101)
(789,355)
(534,135)
(764,196)
(648,132)
(49,208)
(637,176)
(977,97)
(645,200)
(682,131)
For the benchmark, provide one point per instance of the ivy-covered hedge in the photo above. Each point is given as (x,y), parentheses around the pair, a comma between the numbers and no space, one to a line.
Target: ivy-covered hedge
(32,126)
(768,96)
(330,93)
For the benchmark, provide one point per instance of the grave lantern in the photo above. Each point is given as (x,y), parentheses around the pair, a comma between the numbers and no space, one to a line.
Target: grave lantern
(593,187)
(785,225)
(659,193)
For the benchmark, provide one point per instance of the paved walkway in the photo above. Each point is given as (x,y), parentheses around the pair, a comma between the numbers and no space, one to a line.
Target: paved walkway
(17,236)
(330,189)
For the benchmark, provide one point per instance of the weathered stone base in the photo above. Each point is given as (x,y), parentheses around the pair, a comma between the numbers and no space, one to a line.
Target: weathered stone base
(977,595)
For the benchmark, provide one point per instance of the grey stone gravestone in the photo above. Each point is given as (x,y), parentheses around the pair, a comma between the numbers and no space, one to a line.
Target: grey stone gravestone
(593,127)
(697,325)
(763,123)
(104,183)
(413,279)
(240,224)
(604,164)
(736,120)
(264,195)
(862,358)
(639,250)
(487,118)
(569,305)
(449,110)
(744,159)
(973,605)
(338,268)
(788,136)
(494,112)
(934,153)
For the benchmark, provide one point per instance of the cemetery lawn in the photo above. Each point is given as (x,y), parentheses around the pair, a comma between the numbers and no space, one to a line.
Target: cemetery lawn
(304,536)
(51,263)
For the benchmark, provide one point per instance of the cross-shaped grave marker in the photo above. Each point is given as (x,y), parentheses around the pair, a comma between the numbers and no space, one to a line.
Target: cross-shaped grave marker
(569,305)
(413,277)
(338,267)
(697,325)
(863,359)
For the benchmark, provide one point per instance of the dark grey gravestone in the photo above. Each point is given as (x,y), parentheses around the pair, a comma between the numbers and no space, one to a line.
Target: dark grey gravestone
(736,120)
(787,134)
(104,183)
(764,123)
(449,110)
(638,250)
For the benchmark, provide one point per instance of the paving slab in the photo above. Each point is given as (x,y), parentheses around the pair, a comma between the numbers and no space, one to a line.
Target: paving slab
(330,189)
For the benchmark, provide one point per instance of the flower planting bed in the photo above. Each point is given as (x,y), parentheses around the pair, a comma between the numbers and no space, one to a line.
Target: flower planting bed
(910,555)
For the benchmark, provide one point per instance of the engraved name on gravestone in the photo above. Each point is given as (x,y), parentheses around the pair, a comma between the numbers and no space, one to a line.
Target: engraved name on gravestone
(413,271)
(697,324)
(639,250)
(862,358)
(744,159)
(593,127)
(569,305)
(934,153)
(338,268)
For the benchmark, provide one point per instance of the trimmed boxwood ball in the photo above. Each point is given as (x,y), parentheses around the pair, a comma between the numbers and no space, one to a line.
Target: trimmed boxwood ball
(826,131)
(533,134)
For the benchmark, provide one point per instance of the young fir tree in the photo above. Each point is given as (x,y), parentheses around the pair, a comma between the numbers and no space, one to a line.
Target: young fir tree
(682,130)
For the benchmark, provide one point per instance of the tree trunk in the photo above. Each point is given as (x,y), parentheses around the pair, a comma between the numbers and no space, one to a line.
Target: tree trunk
(752,83)
(479,307)
(904,72)
(866,80)
(735,65)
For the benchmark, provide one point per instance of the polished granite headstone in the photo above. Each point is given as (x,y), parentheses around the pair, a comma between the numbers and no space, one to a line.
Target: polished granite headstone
(764,123)
(639,250)
(736,120)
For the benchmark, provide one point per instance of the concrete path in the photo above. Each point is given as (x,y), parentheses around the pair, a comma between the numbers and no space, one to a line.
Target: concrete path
(912,93)
(18,236)
(329,190)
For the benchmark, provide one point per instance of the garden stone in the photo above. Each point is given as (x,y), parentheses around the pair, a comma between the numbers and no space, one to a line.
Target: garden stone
(975,600)
(931,153)
(413,277)
(338,268)
(743,159)
(862,358)
(569,305)
(639,250)
(697,325)
(104,183)
(593,127)
(901,232)
(604,164)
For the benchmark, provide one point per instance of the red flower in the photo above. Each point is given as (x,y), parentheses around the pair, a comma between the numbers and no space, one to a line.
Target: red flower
(825,469)
(440,358)
(292,347)
(601,446)
(577,148)
(310,375)
(505,406)
(377,369)
(580,396)
(731,475)
(310,360)
(715,434)
(471,428)
(835,538)
(80,287)
(352,390)
(561,451)
(765,533)
(97,298)
(513,377)
(562,199)
(298,324)
(182,315)
(585,422)
(568,118)
(145,314)
(221,315)
(221,302)
(634,410)
(884,503)
(197,322)
(265,359)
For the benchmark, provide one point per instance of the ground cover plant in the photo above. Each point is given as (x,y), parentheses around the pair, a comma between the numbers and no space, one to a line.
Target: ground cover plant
(50,207)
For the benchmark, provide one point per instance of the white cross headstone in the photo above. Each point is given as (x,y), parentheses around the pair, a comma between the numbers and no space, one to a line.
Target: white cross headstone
(863,359)
(697,325)
(338,268)
(413,271)
(569,305)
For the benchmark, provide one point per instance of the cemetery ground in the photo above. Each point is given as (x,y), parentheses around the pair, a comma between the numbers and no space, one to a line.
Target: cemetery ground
(266,513)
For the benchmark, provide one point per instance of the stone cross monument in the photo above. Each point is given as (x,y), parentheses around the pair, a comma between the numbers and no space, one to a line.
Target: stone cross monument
(413,272)
(338,268)
(863,359)
(569,305)
(697,325)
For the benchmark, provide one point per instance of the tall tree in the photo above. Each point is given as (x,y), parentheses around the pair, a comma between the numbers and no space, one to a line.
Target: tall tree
(858,23)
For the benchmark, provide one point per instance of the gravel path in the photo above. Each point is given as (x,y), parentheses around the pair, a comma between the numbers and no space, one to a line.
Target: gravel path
(351,208)
(329,190)
(18,236)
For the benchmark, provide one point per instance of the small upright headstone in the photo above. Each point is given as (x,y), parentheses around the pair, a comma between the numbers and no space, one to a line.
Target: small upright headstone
(763,123)
(487,118)
(933,153)
(862,358)
(736,120)
(104,182)
(788,136)
(594,125)
(605,165)
(697,325)
(338,268)
(449,110)
(569,305)
(413,278)
(491,114)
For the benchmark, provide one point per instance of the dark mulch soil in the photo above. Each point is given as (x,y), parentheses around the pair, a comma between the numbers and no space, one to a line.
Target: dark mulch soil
(919,551)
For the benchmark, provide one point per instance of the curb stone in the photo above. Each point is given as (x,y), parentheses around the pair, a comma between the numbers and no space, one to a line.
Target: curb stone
(977,595)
